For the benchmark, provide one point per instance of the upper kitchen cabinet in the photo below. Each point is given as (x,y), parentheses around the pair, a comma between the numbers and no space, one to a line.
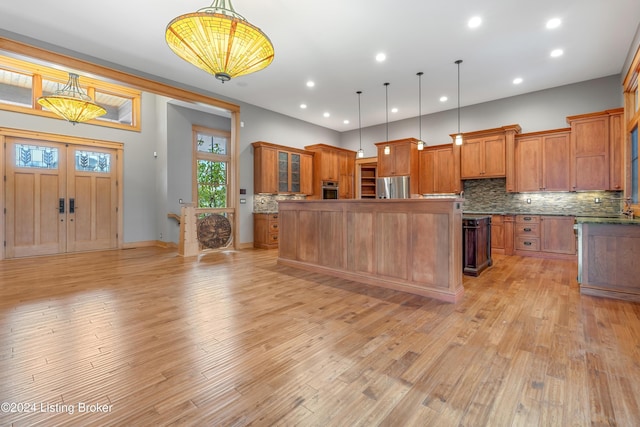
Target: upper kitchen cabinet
(593,143)
(616,150)
(333,164)
(484,154)
(280,169)
(401,160)
(542,161)
(438,171)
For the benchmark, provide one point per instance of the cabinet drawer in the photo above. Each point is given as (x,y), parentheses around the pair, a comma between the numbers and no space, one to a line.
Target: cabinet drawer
(527,244)
(273,226)
(524,230)
(273,237)
(528,219)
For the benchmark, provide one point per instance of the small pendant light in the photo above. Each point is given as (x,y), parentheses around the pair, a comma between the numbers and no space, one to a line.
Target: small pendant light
(387,149)
(420,142)
(360,151)
(459,135)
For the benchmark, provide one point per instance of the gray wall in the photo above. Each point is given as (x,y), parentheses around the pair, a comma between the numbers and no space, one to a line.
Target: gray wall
(153,185)
(535,111)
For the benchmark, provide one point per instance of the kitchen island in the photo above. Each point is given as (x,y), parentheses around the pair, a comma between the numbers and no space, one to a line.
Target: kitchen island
(410,245)
(608,257)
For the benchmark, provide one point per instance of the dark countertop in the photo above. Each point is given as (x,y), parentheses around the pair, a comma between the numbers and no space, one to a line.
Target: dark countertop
(580,215)
(605,220)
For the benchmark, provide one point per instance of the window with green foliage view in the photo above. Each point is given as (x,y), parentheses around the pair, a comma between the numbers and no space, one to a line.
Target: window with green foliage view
(212,169)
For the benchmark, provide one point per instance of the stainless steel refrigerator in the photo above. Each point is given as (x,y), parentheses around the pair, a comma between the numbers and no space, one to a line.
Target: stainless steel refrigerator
(394,187)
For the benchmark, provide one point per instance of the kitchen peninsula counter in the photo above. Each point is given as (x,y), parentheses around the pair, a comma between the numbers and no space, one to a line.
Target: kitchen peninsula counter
(608,251)
(410,245)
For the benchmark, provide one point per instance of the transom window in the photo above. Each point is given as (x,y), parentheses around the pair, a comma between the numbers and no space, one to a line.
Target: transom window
(22,83)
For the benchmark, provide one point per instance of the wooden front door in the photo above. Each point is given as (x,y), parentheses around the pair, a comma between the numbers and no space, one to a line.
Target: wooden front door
(59,198)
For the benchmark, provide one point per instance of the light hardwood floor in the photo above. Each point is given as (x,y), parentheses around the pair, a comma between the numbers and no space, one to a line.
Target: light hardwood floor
(233,339)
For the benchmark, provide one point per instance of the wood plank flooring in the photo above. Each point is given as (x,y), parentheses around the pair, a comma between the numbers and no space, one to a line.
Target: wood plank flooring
(145,337)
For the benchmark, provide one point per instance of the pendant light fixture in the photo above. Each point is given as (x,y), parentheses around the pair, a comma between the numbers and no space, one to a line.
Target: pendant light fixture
(420,142)
(458,135)
(220,41)
(387,149)
(72,103)
(360,151)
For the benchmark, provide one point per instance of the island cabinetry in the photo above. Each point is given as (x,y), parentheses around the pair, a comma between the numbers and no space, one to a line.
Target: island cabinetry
(411,245)
(265,230)
(280,169)
(402,160)
(592,140)
(542,161)
(608,258)
(438,171)
(476,248)
(333,164)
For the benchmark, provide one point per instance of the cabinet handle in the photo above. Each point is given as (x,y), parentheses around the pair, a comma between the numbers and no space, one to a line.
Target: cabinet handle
(527,218)
(527,243)
(527,229)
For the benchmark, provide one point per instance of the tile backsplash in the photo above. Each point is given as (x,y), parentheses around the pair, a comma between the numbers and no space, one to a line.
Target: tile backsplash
(490,195)
(268,203)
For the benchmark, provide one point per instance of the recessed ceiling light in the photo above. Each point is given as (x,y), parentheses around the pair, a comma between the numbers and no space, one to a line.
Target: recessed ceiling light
(311,83)
(517,80)
(556,53)
(553,23)
(474,22)
(327,114)
(346,122)
(303,106)
(394,110)
(443,99)
(381,57)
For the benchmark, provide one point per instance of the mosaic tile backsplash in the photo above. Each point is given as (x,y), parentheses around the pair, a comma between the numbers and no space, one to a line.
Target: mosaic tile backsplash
(490,196)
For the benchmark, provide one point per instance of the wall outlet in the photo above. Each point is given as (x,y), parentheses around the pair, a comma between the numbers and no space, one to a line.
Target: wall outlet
(597,200)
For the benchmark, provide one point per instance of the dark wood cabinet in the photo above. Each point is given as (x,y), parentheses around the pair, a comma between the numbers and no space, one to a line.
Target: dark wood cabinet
(476,245)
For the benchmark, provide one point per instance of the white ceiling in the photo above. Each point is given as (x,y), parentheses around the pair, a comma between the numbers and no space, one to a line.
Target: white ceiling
(334,44)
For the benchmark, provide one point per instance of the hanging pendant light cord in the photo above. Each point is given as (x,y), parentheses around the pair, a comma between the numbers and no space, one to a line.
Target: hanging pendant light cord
(458,62)
(386,89)
(420,102)
(359,119)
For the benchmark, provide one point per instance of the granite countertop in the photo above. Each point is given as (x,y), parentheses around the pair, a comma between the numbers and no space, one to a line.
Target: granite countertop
(578,215)
(606,220)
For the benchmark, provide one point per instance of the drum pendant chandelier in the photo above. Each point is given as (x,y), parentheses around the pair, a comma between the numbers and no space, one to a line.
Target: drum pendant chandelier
(220,41)
(72,103)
